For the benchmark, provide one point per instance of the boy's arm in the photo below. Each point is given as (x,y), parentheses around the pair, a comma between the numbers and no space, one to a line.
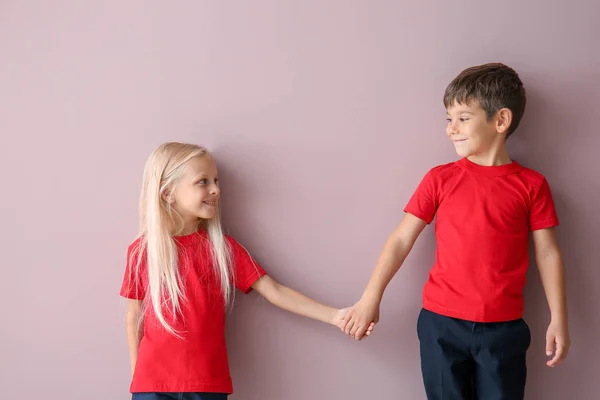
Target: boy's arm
(552,273)
(135,331)
(396,249)
(297,303)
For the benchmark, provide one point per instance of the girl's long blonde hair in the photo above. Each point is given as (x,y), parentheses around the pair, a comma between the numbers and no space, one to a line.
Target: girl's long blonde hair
(156,246)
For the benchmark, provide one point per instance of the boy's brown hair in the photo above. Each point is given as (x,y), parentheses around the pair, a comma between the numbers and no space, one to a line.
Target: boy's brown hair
(494,86)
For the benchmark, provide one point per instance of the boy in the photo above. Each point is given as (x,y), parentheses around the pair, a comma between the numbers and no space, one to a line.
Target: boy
(473,340)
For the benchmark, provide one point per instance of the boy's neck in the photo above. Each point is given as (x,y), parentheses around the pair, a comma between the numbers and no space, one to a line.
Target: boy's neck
(491,158)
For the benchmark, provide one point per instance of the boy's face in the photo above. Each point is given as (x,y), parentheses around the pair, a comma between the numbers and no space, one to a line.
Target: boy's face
(471,132)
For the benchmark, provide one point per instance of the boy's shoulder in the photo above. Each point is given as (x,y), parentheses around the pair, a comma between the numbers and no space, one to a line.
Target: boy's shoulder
(444,171)
(531,175)
(441,168)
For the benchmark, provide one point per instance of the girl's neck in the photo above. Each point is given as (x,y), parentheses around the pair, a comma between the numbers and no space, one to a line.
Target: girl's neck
(187,229)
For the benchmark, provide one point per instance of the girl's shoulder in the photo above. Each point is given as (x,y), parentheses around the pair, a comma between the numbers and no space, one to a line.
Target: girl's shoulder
(136,247)
(238,251)
(232,243)
(136,242)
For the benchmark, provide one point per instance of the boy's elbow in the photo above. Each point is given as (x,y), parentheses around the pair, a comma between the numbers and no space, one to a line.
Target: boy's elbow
(549,259)
(407,232)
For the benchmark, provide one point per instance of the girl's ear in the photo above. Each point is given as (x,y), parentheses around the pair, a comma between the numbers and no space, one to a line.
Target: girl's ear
(167,196)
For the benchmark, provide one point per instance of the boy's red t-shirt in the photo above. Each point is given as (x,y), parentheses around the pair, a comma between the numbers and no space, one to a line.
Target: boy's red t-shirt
(483,219)
(198,361)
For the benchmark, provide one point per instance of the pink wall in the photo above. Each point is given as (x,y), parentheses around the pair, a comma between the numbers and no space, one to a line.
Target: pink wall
(324,117)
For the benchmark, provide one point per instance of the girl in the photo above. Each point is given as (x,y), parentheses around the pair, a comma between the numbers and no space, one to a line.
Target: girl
(179,280)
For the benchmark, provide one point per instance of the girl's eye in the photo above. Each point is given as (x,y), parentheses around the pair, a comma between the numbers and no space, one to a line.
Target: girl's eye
(448,120)
(464,119)
(203,181)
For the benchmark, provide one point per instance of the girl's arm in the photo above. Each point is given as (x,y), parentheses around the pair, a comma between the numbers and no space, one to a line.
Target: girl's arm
(135,331)
(297,303)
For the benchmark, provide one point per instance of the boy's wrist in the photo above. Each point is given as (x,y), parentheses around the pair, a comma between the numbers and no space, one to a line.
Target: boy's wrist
(558,318)
(372,295)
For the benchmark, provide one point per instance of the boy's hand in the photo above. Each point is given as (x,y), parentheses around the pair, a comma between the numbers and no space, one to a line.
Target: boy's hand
(338,320)
(557,343)
(361,318)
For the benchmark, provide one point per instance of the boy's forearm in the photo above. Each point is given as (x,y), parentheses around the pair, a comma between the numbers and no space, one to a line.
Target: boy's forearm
(392,256)
(552,273)
(297,303)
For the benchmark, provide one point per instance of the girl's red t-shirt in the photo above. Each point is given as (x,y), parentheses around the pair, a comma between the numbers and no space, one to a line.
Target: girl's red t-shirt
(196,362)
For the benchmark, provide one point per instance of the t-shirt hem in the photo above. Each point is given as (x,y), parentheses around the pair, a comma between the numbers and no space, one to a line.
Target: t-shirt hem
(419,215)
(510,315)
(246,286)
(182,388)
(130,296)
(548,223)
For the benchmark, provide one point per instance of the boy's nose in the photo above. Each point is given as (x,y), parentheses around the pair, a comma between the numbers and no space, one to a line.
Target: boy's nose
(451,129)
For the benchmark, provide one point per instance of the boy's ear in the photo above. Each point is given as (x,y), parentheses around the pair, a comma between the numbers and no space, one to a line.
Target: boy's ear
(503,120)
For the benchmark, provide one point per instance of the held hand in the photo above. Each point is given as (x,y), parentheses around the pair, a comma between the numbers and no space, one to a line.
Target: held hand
(361,318)
(557,343)
(338,318)
(339,321)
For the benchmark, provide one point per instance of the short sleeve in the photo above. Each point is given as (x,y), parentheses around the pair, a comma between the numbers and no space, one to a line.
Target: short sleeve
(133,284)
(542,214)
(247,270)
(424,202)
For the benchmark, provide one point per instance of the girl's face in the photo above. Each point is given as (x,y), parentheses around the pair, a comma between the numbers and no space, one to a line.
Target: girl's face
(196,193)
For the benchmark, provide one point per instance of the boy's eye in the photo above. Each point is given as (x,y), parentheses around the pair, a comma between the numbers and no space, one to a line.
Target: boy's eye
(464,119)
(203,181)
(448,120)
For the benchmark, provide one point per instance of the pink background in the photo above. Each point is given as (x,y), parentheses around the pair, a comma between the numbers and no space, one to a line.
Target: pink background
(324,116)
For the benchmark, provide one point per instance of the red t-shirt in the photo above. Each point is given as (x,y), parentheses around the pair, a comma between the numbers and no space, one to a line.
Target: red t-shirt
(484,216)
(197,362)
